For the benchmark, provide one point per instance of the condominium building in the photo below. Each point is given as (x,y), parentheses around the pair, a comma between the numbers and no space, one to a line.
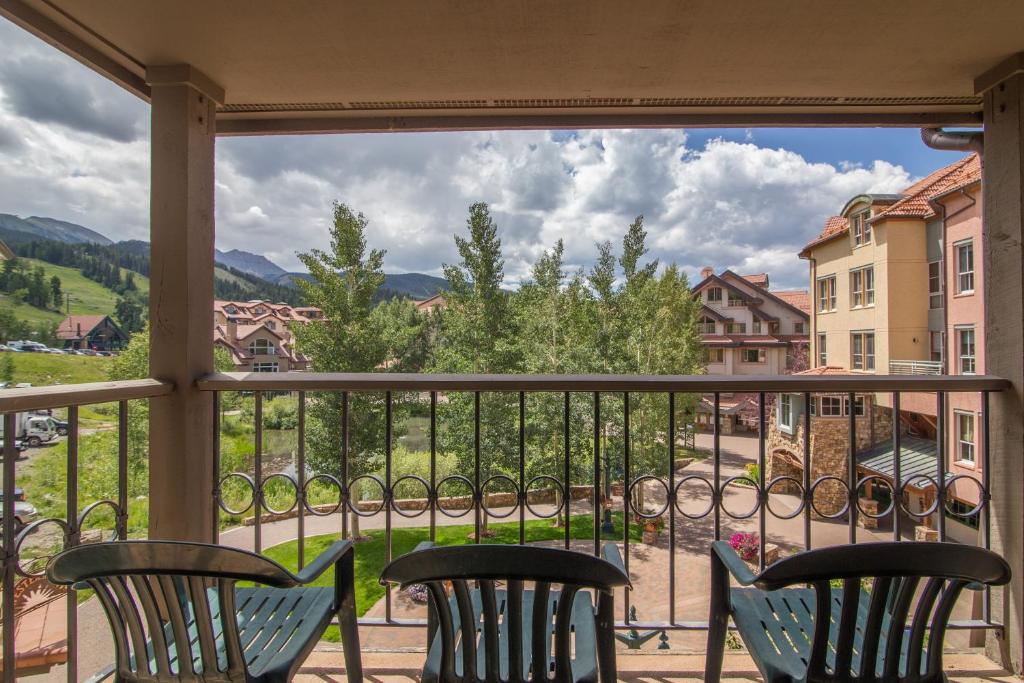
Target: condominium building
(897,289)
(258,334)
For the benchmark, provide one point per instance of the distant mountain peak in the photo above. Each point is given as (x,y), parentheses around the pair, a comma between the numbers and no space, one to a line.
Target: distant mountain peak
(253,264)
(53,229)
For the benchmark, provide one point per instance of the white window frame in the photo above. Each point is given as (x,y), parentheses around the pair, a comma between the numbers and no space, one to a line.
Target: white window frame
(735,300)
(708,326)
(966,449)
(755,327)
(822,349)
(270,349)
(862,287)
(860,229)
(830,406)
(735,328)
(266,366)
(937,347)
(786,412)
(935,295)
(964,273)
(798,327)
(967,363)
(714,295)
(866,353)
(715,356)
(826,293)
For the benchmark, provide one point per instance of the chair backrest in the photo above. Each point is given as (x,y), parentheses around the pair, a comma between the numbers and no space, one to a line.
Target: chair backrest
(882,632)
(492,610)
(162,593)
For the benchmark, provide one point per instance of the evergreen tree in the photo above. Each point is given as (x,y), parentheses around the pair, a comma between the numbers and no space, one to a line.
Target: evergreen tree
(57,292)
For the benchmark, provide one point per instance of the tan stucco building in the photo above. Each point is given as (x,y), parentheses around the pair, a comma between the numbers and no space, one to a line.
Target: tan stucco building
(258,334)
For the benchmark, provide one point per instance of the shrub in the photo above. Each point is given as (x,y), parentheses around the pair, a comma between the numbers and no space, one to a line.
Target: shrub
(746,545)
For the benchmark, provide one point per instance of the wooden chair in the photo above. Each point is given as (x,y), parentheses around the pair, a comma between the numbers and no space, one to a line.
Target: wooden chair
(864,631)
(487,633)
(176,614)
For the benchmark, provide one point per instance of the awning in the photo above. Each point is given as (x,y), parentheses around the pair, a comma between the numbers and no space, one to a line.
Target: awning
(919,458)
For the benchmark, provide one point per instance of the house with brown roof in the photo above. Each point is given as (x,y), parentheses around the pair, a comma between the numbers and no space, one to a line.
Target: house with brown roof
(259,334)
(747,329)
(96,332)
(898,289)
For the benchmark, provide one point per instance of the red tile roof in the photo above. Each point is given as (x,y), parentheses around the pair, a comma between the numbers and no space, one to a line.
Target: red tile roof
(798,298)
(758,279)
(916,198)
(75,326)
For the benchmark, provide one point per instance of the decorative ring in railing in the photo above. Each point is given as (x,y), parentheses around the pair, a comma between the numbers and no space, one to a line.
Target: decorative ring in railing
(483,498)
(846,499)
(883,513)
(768,500)
(384,495)
(711,489)
(426,488)
(983,496)
(98,504)
(331,479)
(220,493)
(757,499)
(563,500)
(263,498)
(40,560)
(920,478)
(643,514)
(454,478)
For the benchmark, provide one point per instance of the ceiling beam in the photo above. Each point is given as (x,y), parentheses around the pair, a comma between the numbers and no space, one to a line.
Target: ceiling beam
(233,125)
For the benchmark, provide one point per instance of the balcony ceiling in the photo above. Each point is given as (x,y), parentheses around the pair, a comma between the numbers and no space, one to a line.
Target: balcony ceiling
(504,60)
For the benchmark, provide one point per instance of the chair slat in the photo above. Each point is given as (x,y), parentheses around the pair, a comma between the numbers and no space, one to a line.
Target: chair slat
(445,627)
(563,639)
(235,661)
(540,632)
(897,625)
(940,620)
(847,627)
(178,620)
(147,599)
(203,622)
(822,626)
(490,627)
(513,625)
(468,629)
(871,631)
(919,628)
(130,615)
(109,604)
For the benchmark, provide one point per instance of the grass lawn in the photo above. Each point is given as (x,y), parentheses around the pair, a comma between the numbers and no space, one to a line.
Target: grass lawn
(370,553)
(42,369)
(30,314)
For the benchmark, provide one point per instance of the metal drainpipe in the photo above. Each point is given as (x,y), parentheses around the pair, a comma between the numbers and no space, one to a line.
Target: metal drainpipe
(960,141)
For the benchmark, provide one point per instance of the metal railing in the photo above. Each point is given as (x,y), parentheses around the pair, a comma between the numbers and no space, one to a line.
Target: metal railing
(916,367)
(601,398)
(675,487)
(76,518)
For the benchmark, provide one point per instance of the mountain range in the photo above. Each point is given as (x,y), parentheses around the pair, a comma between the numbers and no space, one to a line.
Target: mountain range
(15,229)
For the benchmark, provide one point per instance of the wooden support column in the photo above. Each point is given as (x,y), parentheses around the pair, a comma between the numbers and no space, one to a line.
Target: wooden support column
(1003,206)
(181,301)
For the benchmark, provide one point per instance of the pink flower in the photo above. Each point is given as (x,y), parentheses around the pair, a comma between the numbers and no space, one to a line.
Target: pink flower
(746,545)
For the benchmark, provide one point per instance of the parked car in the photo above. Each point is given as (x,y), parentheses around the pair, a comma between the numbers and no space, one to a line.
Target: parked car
(104,353)
(19,447)
(60,425)
(24,513)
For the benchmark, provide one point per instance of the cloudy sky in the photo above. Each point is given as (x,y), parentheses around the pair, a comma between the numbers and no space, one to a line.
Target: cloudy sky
(75,147)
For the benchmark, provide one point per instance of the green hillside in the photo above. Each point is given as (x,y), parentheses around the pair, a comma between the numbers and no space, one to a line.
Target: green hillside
(43,369)
(87,297)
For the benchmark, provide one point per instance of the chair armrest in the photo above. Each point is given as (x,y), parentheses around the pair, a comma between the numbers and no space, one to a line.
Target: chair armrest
(723,552)
(424,545)
(324,561)
(610,553)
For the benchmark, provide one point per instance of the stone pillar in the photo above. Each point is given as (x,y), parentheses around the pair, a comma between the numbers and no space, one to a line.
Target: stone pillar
(1003,206)
(181,301)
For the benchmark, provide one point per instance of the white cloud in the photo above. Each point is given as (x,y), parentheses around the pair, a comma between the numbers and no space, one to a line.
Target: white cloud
(723,203)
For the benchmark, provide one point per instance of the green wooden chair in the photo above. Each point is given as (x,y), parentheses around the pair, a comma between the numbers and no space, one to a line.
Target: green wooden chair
(176,614)
(486,633)
(866,631)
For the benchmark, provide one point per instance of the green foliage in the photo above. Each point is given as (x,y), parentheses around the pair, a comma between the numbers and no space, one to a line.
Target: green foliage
(44,369)
(129,312)
(7,368)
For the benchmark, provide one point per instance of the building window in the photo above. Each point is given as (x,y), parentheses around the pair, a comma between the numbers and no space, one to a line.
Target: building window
(736,300)
(862,287)
(261,347)
(965,342)
(861,229)
(735,328)
(964,267)
(960,512)
(786,411)
(754,356)
(965,437)
(798,328)
(713,356)
(822,350)
(755,327)
(935,285)
(863,347)
(715,294)
(264,367)
(935,343)
(831,406)
(707,326)
(827,294)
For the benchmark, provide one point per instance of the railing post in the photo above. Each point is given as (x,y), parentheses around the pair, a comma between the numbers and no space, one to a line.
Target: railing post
(181,300)
(1002,263)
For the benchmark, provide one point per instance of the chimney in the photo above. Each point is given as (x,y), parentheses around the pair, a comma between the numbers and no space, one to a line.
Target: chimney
(706,272)
(232,330)
(79,332)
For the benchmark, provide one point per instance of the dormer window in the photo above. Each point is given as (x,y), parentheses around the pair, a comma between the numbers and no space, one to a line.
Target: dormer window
(860,229)
(231,310)
(261,347)
(715,295)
